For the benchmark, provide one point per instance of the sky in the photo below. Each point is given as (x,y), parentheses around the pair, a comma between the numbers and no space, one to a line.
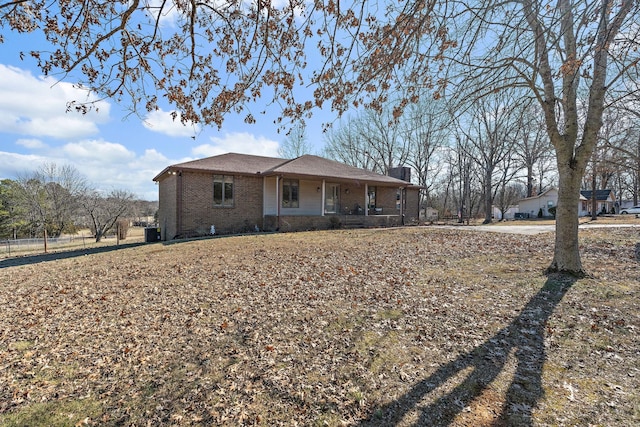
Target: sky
(111,147)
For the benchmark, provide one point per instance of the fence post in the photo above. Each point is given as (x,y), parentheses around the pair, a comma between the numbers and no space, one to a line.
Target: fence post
(45,240)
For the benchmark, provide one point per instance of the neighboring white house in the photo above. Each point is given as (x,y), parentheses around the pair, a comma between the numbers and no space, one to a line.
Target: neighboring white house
(531,206)
(605,201)
(509,214)
(429,214)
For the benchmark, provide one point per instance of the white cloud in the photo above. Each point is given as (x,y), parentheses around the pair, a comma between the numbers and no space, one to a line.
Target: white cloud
(32,144)
(14,165)
(97,152)
(238,142)
(37,106)
(163,122)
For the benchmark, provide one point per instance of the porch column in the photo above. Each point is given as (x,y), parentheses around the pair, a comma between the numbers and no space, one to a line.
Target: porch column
(278,202)
(322,201)
(366,199)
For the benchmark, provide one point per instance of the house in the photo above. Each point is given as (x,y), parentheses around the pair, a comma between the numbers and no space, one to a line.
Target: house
(531,206)
(233,193)
(510,213)
(605,200)
(429,214)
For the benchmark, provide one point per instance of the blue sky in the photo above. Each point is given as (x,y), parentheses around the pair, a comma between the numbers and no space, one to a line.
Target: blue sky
(112,148)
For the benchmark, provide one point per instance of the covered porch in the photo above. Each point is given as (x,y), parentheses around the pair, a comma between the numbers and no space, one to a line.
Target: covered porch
(303,203)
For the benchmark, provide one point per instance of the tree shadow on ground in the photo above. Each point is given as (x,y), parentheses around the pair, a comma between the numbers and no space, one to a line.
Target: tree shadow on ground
(54,256)
(523,337)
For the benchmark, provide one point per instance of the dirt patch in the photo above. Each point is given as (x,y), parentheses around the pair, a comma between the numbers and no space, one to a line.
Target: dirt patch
(412,326)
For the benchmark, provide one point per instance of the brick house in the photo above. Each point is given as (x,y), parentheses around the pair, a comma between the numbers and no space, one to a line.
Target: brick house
(239,193)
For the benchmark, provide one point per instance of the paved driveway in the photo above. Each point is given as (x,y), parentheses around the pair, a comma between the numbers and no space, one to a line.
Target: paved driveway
(530,229)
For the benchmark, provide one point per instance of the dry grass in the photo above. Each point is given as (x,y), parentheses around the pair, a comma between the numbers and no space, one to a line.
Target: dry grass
(413,326)
(82,240)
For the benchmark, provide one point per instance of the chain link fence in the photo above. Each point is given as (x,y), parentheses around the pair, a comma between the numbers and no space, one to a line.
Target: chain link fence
(17,247)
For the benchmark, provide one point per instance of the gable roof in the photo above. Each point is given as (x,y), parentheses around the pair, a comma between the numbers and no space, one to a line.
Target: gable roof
(601,195)
(303,166)
(543,194)
(231,163)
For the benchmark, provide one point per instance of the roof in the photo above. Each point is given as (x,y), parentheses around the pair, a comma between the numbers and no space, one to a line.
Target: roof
(303,166)
(601,195)
(243,164)
(537,196)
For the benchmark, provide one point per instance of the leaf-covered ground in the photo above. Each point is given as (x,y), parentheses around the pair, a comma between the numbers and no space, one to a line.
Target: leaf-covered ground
(412,326)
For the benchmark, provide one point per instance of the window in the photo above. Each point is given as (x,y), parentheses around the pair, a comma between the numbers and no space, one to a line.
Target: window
(290,193)
(372,197)
(223,190)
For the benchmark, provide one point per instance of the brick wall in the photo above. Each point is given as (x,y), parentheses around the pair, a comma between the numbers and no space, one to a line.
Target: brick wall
(167,219)
(186,206)
(306,223)
(386,198)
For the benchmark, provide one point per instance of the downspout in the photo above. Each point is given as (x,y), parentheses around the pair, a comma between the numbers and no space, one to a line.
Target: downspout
(323,196)
(278,202)
(264,201)
(402,205)
(179,202)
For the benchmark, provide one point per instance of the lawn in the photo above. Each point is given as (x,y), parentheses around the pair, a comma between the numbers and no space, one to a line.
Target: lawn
(407,326)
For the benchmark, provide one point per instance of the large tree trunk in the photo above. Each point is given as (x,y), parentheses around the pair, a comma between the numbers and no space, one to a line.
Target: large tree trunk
(530,180)
(566,257)
(488,199)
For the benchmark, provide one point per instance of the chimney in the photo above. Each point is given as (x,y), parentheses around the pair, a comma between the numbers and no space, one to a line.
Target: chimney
(401,172)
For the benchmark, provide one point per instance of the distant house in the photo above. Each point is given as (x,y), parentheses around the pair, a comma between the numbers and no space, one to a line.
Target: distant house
(429,214)
(510,213)
(605,201)
(531,206)
(234,193)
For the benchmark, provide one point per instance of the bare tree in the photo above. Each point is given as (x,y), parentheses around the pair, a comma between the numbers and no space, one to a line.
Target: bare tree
(347,145)
(104,211)
(426,129)
(533,148)
(220,56)
(296,143)
(371,140)
(492,127)
(507,196)
(50,195)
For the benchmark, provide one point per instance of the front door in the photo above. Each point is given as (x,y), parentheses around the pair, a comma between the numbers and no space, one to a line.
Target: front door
(332,198)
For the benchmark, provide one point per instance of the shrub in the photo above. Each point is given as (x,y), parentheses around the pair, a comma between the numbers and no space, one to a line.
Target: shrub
(552,210)
(334,223)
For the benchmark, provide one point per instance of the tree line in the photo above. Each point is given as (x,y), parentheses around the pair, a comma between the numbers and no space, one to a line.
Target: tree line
(470,163)
(54,199)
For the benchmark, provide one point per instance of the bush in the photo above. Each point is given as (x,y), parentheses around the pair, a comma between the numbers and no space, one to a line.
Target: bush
(552,210)
(334,223)
(540,213)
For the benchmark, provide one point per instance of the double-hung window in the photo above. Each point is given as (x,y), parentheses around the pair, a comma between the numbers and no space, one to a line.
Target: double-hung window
(223,191)
(290,193)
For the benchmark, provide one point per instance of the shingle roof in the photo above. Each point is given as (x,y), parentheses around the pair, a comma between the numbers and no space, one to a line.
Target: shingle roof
(319,167)
(228,163)
(600,194)
(303,166)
